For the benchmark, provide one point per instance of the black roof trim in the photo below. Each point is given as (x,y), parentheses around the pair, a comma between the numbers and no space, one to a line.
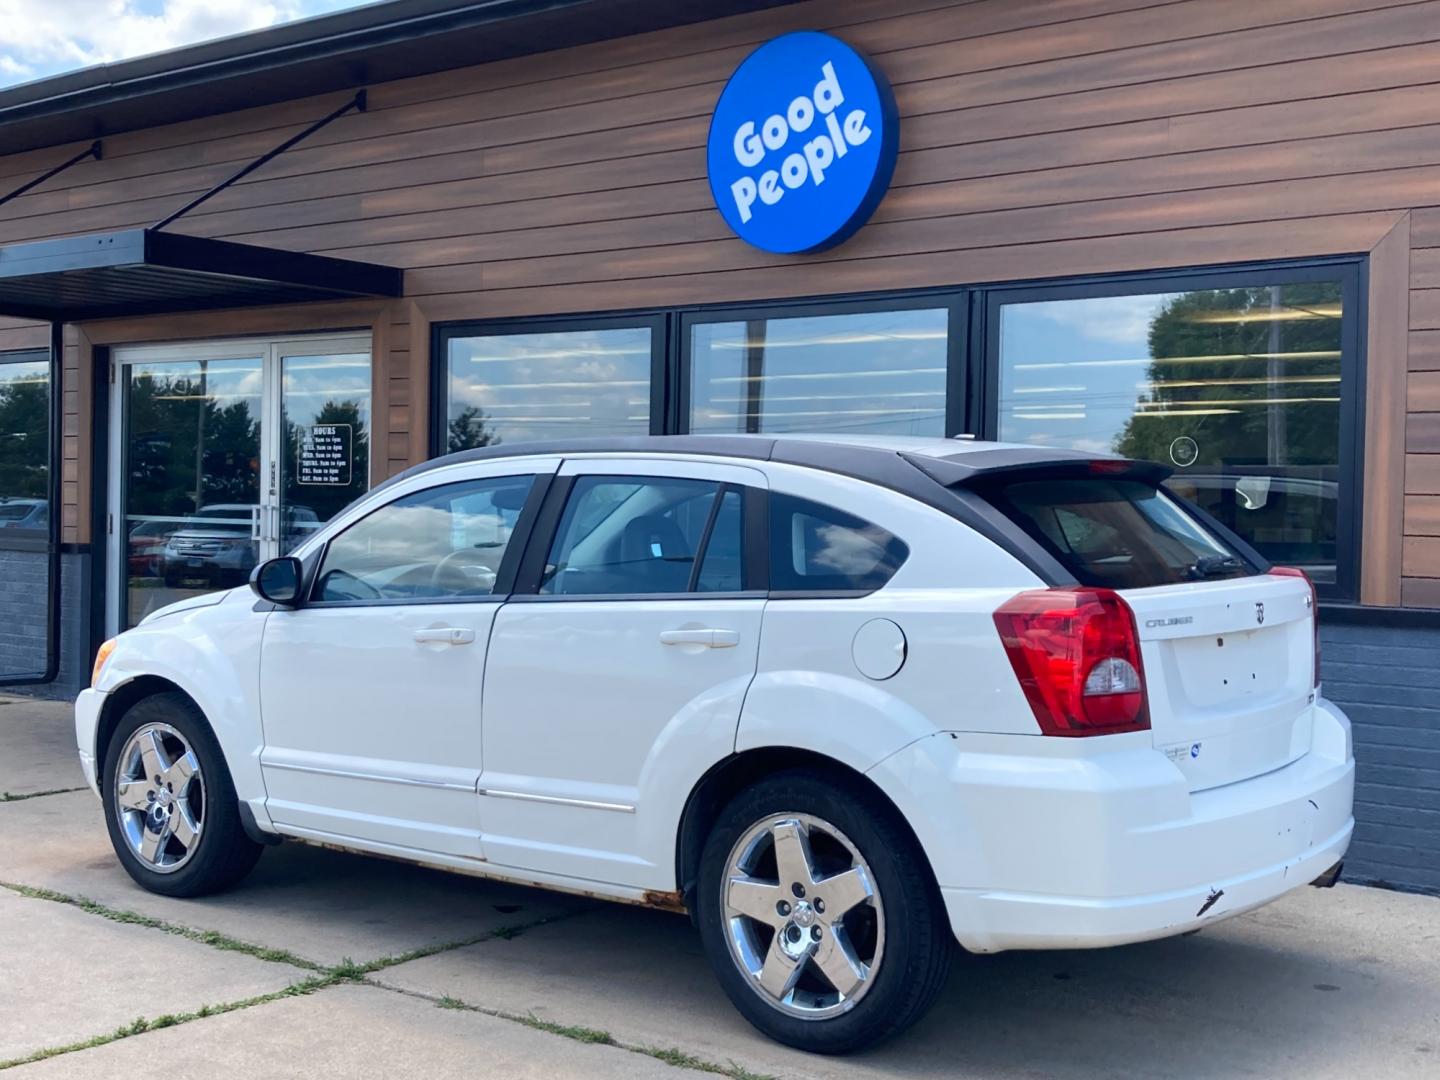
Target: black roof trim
(341,51)
(961,469)
(144,272)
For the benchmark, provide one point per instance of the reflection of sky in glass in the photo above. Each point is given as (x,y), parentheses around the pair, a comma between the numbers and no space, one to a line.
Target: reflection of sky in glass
(1071,370)
(226,382)
(1074,373)
(540,386)
(871,373)
(311,381)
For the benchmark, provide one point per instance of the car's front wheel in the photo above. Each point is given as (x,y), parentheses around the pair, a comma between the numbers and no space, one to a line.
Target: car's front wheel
(818,913)
(170,805)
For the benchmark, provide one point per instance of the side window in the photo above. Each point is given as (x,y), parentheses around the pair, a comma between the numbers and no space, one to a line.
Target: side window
(646,535)
(444,542)
(816,548)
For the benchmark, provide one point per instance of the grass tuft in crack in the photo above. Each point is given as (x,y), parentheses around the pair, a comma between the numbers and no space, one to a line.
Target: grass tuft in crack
(213,938)
(502,933)
(669,1055)
(140,1025)
(10,796)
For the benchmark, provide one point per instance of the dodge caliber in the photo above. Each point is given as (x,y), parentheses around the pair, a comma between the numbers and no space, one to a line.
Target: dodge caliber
(847,702)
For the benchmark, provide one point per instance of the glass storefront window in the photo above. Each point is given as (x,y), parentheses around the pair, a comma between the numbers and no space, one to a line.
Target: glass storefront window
(509,388)
(1237,388)
(192,479)
(24,444)
(881,372)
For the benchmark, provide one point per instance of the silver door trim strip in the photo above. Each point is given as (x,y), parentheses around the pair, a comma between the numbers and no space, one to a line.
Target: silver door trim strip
(348,775)
(588,804)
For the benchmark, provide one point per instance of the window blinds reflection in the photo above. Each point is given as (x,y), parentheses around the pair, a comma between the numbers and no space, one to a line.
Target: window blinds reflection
(872,372)
(517,387)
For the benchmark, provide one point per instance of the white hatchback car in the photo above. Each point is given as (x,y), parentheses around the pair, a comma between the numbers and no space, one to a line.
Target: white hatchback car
(843,700)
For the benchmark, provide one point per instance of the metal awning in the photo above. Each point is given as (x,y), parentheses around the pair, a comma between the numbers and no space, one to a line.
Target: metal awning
(146,272)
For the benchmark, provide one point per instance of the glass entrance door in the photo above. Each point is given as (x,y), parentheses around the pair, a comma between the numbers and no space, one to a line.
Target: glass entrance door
(224,455)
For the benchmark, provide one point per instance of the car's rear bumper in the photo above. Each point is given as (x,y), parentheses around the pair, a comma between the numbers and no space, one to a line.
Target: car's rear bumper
(1083,850)
(87,719)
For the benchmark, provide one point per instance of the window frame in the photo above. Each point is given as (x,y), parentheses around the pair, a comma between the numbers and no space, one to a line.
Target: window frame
(28,539)
(1348,271)
(955,303)
(825,594)
(504,577)
(441,334)
(973,362)
(541,539)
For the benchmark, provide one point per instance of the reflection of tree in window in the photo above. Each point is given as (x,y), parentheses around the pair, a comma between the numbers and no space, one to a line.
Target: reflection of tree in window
(1252,375)
(24,428)
(186,450)
(468,431)
(327,500)
(1232,365)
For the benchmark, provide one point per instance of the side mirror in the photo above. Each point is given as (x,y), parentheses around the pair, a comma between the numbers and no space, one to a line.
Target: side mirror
(278,581)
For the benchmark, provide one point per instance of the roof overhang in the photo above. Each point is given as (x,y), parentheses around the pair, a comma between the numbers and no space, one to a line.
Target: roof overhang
(144,272)
(345,50)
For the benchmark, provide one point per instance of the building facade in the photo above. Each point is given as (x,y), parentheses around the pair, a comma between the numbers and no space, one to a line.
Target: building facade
(1201,231)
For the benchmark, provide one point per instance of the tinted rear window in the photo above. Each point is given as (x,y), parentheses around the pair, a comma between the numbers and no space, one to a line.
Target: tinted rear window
(1117,533)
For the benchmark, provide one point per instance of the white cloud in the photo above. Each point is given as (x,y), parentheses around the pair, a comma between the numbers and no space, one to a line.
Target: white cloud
(43,37)
(1115,320)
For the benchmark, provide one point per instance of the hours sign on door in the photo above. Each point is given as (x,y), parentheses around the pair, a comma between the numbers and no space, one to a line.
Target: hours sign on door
(324,454)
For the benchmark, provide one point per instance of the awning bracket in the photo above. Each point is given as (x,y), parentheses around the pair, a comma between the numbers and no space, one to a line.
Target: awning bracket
(358,103)
(93,150)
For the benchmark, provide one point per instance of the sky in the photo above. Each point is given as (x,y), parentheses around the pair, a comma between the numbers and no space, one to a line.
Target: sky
(39,38)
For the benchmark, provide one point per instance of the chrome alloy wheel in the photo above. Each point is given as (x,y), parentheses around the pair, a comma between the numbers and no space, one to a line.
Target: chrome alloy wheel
(160,797)
(803,920)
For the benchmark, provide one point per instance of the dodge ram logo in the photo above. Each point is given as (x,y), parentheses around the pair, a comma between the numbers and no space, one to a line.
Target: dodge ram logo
(1259,614)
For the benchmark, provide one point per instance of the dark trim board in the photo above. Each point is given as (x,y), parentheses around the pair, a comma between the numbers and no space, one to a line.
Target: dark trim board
(145,272)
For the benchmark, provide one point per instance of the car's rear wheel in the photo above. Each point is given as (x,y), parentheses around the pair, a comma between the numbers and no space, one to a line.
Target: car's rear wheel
(170,805)
(818,913)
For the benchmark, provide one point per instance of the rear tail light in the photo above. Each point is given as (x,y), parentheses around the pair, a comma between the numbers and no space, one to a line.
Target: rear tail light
(1077,656)
(1292,571)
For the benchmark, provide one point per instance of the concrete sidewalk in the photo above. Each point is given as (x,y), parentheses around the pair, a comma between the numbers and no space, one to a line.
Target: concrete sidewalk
(323,963)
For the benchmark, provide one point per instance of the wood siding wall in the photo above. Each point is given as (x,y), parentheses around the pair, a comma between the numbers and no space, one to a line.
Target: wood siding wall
(1040,138)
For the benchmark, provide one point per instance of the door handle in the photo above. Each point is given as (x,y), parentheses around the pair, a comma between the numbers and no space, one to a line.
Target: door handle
(710,638)
(446,635)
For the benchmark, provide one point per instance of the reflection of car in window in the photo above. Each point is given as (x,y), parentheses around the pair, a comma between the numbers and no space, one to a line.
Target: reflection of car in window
(212,548)
(146,544)
(24,513)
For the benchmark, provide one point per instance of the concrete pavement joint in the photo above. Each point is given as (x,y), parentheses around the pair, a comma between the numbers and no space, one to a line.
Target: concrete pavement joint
(6,796)
(213,938)
(669,1055)
(141,1025)
(502,933)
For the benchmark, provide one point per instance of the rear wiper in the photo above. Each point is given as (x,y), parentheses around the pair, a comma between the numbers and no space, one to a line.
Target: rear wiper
(1213,566)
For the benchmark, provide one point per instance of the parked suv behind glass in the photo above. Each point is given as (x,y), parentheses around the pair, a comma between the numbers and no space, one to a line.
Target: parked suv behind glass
(845,701)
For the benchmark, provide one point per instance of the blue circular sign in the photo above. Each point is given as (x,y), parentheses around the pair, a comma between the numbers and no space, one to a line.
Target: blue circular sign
(802,143)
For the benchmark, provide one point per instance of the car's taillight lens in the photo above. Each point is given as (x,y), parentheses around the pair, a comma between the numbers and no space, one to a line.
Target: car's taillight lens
(1294,571)
(1077,656)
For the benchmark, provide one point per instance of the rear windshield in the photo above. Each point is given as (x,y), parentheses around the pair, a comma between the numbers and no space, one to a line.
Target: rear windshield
(1117,533)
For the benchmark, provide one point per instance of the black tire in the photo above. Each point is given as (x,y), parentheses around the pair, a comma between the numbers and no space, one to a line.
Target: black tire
(918,944)
(223,852)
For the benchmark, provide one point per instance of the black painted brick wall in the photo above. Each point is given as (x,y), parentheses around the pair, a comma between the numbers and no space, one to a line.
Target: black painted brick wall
(1387,679)
(24,578)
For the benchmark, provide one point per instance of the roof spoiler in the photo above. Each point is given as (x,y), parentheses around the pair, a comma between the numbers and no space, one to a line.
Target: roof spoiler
(964,470)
